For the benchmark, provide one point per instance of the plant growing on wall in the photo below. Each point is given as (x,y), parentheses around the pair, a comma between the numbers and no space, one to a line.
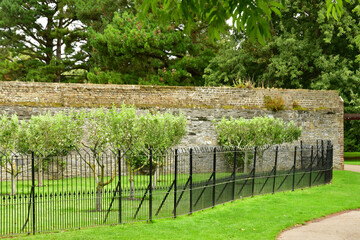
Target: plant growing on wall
(259,131)
(9,132)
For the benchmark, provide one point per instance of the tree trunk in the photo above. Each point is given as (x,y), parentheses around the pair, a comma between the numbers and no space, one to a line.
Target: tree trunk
(246,162)
(40,174)
(13,184)
(156,176)
(98,202)
(132,187)
(58,46)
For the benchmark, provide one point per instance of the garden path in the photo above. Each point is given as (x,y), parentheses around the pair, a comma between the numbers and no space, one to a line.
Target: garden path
(338,226)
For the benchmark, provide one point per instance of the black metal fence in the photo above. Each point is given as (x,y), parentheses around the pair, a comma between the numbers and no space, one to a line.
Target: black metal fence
(46,193)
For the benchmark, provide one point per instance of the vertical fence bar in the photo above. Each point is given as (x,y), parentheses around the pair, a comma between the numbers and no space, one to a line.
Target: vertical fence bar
(294,167)
(120,189)
(150,185)
(191,180)
(175,181)
(331,161)
(234,172)
(253,176)
(301,155)
(311,163)
(275,166)
(322,154)
(214,178)
(33,190)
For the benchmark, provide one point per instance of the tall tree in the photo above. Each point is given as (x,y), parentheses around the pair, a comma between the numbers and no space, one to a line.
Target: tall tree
(45,31)
(307,50)
(143,51)
(49,37)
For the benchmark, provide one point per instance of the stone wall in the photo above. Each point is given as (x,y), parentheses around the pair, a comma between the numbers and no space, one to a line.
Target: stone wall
(320,113)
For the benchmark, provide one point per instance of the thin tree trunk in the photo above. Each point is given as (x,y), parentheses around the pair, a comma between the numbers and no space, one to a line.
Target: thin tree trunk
(99,191)
(132,188)
(156,176)
(13,177)
(40,174)
(13,184)
(246,162)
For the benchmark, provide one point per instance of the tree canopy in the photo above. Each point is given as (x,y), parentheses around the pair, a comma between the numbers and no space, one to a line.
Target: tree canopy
(253,17)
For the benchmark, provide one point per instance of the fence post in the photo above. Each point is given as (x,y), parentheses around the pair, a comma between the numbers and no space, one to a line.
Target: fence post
(191,180)
(253,176)
(311,163)
(234,172)
(294,168)
(120,190)
(175,181)
(150,186)
(276,158)
(214,178)
(33,190)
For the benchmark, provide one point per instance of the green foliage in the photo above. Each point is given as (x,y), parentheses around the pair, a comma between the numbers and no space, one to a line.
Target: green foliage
(254,18)
(9,133)
(258,131)
(251,17)
(274,104)
(48,134)
(134,51)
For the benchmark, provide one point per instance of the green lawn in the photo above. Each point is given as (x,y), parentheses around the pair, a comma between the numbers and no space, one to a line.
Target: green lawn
(352,162)
(351,154)
(260,217)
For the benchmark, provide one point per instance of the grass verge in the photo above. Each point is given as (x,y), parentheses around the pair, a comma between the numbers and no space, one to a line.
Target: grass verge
(352,162)
(351,154)
(260,217)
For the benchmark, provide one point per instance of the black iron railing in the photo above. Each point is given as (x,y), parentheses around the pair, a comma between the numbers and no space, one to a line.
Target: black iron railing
(79,189)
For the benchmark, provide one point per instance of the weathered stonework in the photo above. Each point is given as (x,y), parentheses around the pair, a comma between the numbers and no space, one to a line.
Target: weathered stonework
(321,119)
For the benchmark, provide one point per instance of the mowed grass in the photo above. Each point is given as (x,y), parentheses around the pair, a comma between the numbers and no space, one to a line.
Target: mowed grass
(351,154)
(260,217)
(352,162)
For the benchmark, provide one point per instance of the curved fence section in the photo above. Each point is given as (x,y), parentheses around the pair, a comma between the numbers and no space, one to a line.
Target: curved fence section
(46,193)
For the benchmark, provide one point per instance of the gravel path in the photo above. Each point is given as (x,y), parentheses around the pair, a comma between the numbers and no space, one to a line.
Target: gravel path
(339,226)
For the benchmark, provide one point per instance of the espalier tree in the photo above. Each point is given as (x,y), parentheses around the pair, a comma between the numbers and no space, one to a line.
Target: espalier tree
(9,133)
(49,135)
(259,131)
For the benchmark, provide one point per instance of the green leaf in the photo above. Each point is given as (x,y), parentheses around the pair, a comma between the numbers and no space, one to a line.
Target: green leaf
(329,8)
(334,14)
(276,4)
(276,11)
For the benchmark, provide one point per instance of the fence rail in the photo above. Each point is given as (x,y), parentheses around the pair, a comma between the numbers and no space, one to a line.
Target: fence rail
(47,193)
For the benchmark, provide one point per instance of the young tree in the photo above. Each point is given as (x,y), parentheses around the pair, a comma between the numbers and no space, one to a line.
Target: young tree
(96,140)
(259,131)
(47,135)
(127,134)
(163,131)
(9,133)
